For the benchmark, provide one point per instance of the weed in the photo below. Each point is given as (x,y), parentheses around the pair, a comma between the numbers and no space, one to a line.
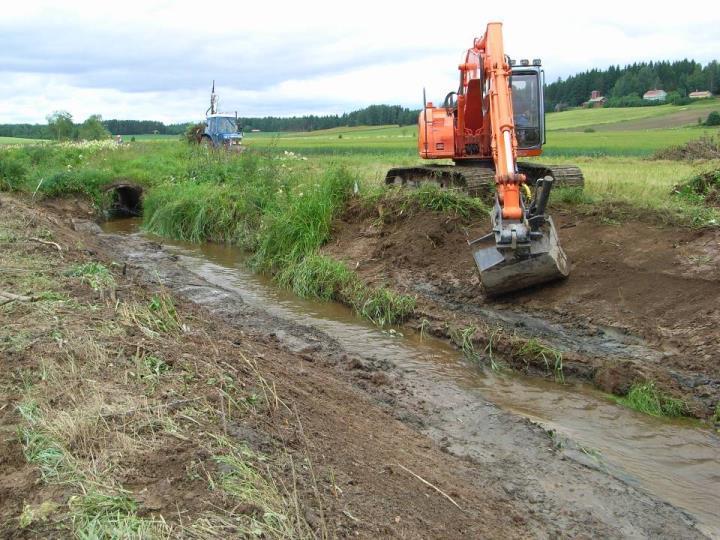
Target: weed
(100,515)
(40,448)
(645,397)
(94,274)
(463,338)
(424,326)
(159,315)
(534,350)
(34,513)
(316,276)
(384,306)
(571,195)
(241,479)
(492,338)
(428,196)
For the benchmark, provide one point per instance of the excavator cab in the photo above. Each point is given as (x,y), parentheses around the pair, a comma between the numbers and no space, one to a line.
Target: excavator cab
(528,109)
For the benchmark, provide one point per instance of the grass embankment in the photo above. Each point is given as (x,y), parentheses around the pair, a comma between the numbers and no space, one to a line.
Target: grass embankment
(280,206)
(121,417)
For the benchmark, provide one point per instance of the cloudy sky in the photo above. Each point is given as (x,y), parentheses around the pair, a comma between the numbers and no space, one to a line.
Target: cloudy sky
(155,59)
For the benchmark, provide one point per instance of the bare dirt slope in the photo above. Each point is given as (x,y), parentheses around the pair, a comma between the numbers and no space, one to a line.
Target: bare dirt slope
(640,303)
(332,453)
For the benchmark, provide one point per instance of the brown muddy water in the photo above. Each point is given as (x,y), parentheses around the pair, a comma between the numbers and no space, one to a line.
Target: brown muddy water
(675,460)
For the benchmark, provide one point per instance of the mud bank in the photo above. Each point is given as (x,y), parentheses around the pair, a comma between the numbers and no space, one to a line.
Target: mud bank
(640,303)
(555,491)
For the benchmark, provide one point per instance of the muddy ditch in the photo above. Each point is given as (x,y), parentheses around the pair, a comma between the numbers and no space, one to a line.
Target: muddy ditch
(578,465)
(640,303)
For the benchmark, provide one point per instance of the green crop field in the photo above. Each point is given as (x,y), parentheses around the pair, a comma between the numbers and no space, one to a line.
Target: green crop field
(151,138)
(618,117)
(18,140)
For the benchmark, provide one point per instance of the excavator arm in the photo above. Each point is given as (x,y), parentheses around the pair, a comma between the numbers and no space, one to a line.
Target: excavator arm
(478,129)
(526,250)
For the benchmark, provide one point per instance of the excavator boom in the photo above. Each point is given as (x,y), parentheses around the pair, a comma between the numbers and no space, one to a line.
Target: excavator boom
(496,116)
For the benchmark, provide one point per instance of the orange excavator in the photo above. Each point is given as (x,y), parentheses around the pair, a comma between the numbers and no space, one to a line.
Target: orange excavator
(496,116)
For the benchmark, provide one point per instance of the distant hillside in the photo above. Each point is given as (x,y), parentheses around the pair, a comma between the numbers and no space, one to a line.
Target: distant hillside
(634,80)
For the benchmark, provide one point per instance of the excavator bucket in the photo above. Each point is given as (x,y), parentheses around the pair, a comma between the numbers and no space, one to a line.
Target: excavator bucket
(506,270)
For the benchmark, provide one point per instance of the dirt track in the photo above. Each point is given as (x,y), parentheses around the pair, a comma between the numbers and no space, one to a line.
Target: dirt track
(640,303)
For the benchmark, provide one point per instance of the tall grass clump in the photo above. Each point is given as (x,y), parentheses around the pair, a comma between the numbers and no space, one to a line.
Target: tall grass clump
(317,276)
(197,212)
(301,222)
(383,306)
(81,181)
(224,198)
(13,171)
(432,197)
(646,398)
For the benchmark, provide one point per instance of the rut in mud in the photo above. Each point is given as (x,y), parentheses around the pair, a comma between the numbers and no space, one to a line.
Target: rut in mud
(640,302)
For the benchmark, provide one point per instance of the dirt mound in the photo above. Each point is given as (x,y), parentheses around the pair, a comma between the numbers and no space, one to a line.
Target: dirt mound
(638,295)
(705,147)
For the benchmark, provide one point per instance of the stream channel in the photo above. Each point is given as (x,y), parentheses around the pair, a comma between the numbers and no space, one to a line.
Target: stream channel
(677,461)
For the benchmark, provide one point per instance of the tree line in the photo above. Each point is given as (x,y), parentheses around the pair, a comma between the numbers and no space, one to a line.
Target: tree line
(624,86)
(61,125)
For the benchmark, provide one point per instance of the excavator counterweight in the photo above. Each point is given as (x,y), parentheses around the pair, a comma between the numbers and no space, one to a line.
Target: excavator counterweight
(496,116)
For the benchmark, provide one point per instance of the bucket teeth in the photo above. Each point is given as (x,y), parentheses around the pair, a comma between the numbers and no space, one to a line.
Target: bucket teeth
(505,270)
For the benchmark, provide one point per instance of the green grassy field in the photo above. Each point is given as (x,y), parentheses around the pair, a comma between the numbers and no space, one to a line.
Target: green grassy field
(581,118)
(278,199)
(150,138)
(18,140)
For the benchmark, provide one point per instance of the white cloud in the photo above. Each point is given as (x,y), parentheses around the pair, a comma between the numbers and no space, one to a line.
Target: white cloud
(156,59)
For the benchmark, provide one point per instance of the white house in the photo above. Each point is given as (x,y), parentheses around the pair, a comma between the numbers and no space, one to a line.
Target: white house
(655,95)
(699,94)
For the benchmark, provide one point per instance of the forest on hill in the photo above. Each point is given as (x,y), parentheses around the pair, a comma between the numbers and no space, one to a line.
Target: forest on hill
(678,78)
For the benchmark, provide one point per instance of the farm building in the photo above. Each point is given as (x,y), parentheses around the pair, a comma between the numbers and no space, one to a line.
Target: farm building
(596,100)
(700,94)
(655,95)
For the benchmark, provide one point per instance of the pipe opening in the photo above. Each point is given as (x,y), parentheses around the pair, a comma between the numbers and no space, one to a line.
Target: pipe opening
(125,200)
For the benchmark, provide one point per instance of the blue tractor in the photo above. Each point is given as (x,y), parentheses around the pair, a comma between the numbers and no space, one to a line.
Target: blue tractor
(221,130)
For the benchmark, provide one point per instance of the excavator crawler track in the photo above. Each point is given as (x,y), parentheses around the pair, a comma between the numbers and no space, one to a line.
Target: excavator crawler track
(478,179)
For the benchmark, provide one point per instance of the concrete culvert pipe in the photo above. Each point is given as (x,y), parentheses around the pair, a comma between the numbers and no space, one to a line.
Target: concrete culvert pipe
(125,199)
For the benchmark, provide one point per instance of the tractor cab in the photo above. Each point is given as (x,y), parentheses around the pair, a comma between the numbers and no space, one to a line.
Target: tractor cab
(222,130)
(528,106)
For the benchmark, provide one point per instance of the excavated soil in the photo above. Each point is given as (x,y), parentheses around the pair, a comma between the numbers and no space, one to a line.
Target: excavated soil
(641,302)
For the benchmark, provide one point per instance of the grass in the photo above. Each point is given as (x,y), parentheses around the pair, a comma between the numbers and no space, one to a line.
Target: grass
(94,274)
(19,140)
(279,199)
(241,478)
(646,398)
(578,118)
(158,316)
(533,350)
(430,197)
